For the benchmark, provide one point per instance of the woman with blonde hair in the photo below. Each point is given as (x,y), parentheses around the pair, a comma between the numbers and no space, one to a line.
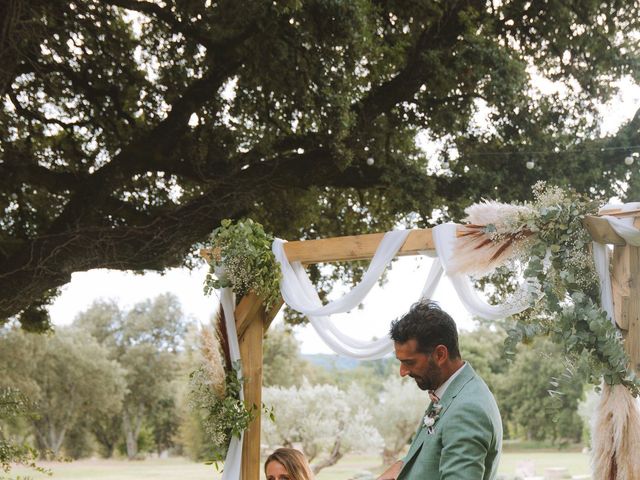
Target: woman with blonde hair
(287,464)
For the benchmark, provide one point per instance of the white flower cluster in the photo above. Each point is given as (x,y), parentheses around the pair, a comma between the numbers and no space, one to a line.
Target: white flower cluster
(238,272)
(548,196)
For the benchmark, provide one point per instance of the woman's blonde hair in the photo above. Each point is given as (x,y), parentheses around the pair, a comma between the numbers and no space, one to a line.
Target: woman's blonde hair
(294,462)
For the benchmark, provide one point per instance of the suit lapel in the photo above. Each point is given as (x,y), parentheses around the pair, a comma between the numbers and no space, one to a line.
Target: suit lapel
(465,376)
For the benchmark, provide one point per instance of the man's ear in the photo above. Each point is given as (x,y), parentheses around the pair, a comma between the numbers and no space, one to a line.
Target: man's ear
(441,353)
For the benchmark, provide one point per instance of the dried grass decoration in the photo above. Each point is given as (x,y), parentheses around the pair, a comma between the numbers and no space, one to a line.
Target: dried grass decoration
(215,393)
(616,436)
(490,236)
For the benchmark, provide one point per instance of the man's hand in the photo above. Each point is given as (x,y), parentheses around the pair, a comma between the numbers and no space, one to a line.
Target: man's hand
(392,472)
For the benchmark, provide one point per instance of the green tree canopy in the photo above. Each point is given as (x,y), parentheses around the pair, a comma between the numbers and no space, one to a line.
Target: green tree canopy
(68,376)
(145,341)
(282,364)
(537,399)
(129,129)
(484,350)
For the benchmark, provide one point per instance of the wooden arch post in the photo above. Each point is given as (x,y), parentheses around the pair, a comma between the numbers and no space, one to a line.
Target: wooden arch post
(252,319)
(625,282)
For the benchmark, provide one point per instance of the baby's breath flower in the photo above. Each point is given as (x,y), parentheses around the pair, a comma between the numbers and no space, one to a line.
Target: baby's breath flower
(244,255)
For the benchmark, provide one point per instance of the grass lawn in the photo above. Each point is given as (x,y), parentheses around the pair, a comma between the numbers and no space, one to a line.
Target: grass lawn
(180,468)
(575,462)
(93,469)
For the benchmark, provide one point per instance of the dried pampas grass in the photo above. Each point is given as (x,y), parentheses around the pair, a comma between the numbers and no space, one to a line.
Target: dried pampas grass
(501,215)
(489,238)
(616,436)
(213,362)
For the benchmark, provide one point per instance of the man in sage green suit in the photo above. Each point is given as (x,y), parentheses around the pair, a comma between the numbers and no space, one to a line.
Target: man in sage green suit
(460,436)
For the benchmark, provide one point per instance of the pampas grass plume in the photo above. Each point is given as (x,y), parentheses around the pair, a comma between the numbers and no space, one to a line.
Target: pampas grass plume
(490,212)
(616,436)
(213,361)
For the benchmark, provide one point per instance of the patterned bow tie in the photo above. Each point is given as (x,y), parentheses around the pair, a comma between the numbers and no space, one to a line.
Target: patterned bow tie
(433,397)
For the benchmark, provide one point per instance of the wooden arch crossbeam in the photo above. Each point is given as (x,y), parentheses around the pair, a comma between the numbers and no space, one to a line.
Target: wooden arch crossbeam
(252,320)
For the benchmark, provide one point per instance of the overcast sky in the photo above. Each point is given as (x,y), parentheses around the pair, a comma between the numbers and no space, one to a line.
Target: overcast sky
(404,284)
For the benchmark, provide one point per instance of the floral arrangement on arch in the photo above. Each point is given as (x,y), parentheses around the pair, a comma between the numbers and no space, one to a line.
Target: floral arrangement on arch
(242,259)
(548,241)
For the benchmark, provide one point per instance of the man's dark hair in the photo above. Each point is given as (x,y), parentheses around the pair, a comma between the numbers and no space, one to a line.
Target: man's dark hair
(430,326)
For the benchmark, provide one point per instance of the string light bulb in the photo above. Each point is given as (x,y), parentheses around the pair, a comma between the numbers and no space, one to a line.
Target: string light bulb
(530,164)
(446,164)
(370,161)
(628,160)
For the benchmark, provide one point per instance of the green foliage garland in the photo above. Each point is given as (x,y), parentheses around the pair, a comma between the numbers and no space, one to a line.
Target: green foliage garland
(223,416)
(559,262)
(243,249)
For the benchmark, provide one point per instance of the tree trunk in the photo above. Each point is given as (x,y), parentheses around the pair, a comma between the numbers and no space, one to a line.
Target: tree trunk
(105,429)
(335,456)
(132,445)
(49,439)
(131,433)
(57,440)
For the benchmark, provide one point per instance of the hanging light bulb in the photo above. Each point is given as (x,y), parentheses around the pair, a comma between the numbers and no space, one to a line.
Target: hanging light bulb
(530,164)
(370,161)
(446,164)
(628,160)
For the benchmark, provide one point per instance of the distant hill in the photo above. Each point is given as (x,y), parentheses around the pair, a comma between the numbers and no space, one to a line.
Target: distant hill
(332,362)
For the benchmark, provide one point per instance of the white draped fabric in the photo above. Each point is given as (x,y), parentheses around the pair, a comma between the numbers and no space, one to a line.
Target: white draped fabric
(233,460)
(299,293)
(623,227)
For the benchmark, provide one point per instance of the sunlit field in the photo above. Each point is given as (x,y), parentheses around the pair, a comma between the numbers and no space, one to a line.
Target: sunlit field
(351,466)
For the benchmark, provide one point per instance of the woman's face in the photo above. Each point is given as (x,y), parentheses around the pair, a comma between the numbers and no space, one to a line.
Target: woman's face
(276,471)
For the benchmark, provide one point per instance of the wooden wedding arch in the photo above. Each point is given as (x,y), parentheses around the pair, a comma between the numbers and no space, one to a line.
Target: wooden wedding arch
(253,320)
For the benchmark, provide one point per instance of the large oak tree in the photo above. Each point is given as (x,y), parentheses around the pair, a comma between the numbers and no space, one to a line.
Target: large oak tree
(130,128)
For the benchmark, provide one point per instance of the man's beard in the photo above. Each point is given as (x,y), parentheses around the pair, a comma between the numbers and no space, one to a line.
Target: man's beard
(432,378)
(424,384)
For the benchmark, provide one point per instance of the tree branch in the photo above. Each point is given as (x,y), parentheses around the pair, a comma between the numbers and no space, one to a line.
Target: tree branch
(190,30)
(149,151)
(48,261)
(19,169)
(403,86)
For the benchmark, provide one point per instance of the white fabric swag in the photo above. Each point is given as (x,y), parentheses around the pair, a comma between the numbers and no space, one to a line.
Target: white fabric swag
(233,460)
(298,292)
(623,227)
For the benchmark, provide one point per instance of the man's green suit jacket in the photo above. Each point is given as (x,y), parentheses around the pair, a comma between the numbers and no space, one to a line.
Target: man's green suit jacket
(466,439)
